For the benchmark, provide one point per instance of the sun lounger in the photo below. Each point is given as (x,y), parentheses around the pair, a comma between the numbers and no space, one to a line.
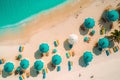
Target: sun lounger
(44,75)
(27,74)
(0,71)
(17,71)
(21,77)
(21,48)
(67,55)
(70,53)
(71,63)
(46,70)
(118,47)
(102,31)
(56,43)
(69,66)
(2,61)
(58,68)
(43,71)
(115,49)
(107,52)
(73,53)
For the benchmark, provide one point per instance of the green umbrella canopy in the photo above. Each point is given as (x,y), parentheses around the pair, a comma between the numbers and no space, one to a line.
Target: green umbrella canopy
(112,15)
(89,23)
(38,65)
(87,56)
(44,47)
(24,64)
(103,43)
(56,59)
(8,67)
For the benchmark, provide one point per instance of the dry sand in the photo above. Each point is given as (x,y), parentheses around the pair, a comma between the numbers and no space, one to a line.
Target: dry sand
(102,67)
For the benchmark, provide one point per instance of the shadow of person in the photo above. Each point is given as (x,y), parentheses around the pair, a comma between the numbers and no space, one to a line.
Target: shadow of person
(38,54)
(67,46)
(111,44)
(5,74)
(97,50)
(33,72)
(81,62)
(83,31)
(50,67)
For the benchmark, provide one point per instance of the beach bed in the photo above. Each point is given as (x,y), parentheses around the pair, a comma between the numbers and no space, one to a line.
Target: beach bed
(44,73)
(2,61)
(102,31)
(21,77)
(0,71)
(58,68)
(21,48)
(56,43)
(70,64)
(116,49)
(70,54)
(107,52)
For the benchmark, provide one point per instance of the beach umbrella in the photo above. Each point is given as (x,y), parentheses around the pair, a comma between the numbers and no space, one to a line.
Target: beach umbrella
(56,59)
(103,43)
(38,65)
(112,15)
(72,39)
(87,56)
(89,23)
(24,63)
(44,48)
(9,67)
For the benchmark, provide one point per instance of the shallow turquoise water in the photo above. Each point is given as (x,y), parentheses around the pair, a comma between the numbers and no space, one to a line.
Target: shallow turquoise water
(14,11)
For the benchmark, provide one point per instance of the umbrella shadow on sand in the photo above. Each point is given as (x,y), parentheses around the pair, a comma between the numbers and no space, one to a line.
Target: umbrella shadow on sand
(67,46)
(38,55)
(111,44)
(81,62)
(96,50)
(5,74)
(83,30)
(50,67)
(33,72)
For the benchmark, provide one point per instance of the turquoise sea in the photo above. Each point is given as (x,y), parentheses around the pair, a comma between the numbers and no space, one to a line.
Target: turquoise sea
(14,11)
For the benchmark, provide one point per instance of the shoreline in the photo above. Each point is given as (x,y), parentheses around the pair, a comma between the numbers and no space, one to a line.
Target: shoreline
(29,19)
(32,27)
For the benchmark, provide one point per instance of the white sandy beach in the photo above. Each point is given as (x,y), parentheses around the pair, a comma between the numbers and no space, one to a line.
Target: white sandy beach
(102,67)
